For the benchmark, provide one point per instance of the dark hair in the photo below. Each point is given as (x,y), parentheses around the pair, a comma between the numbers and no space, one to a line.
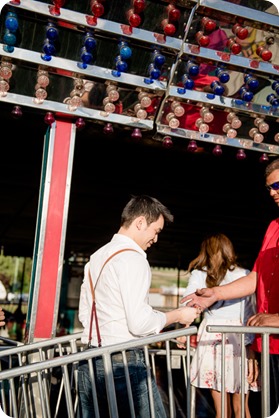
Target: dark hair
(146,206)
(274,165)
(97,94)
(216,256)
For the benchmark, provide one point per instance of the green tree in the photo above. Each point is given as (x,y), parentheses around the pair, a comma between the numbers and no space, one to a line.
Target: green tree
(15,273)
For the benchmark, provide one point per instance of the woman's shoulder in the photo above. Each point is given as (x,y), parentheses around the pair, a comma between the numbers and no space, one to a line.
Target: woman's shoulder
(197,276)
(242,270)
(197,272)
(237,272)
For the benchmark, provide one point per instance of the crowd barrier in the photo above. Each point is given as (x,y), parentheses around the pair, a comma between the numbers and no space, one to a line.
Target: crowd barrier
(40,379)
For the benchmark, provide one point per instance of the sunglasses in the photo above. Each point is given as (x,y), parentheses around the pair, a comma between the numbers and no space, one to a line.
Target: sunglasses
(273,186)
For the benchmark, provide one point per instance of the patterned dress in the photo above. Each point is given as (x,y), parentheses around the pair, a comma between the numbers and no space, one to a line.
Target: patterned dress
(206,362)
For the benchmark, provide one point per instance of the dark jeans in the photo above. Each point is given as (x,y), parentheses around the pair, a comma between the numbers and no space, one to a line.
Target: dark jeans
(138,378)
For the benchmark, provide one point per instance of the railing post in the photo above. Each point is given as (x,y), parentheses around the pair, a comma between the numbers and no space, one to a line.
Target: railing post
(265,370)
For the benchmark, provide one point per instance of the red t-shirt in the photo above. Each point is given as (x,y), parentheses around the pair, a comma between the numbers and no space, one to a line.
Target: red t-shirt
(267,268)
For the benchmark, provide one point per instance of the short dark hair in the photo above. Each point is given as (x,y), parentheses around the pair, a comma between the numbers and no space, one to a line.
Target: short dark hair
(146,206)
(274,165)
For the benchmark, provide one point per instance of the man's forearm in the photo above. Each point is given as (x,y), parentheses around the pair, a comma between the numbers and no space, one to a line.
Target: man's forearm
(243,286)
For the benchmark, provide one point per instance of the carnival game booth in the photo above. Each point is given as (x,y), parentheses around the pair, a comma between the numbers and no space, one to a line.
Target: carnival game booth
(176,74)
(181,75)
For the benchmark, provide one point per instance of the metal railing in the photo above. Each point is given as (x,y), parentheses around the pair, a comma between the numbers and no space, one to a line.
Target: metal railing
(15,392)
(265,372)
(43,383)
(29,386)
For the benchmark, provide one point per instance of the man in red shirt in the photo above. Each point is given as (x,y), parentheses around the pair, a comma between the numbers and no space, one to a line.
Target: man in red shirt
(264,279)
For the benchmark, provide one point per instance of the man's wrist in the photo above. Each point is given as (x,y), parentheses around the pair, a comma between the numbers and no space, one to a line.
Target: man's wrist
(217,293)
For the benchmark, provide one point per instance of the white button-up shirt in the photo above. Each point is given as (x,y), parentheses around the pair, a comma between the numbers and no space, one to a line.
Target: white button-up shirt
(121,294)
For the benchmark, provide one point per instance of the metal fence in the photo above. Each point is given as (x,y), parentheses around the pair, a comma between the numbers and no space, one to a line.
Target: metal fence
(265,372)
(40,379)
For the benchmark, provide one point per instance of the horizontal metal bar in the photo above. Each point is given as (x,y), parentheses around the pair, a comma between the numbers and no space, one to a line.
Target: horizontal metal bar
(237,329)
(78,21)
(61,110)
(223,102)
(231,61)
(69,68)
(253,17)
(217,139)
(94,352)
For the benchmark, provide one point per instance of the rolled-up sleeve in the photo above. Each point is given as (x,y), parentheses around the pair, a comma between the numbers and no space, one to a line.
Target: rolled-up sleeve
(85,300)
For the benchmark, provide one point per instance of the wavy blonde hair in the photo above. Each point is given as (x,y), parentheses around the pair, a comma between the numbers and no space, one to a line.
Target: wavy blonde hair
(217,255)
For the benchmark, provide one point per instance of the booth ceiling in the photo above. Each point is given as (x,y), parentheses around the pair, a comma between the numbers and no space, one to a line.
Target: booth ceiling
(202,71)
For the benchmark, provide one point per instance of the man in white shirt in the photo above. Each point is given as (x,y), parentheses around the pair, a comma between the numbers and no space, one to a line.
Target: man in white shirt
(121,293)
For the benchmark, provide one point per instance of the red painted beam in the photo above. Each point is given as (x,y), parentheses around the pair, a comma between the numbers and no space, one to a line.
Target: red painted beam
(52,262)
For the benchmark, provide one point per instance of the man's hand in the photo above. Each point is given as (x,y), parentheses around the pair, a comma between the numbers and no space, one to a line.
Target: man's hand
(2,317)
(253,369)
(253,372)
(264,320)
(181,342)
(202,297)
(188,315)
(183,315)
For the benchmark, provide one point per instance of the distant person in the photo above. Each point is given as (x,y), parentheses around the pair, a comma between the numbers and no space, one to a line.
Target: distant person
(216,265)
(264,278)
(2,317)
(3,291)
(4,284)
(124,313)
